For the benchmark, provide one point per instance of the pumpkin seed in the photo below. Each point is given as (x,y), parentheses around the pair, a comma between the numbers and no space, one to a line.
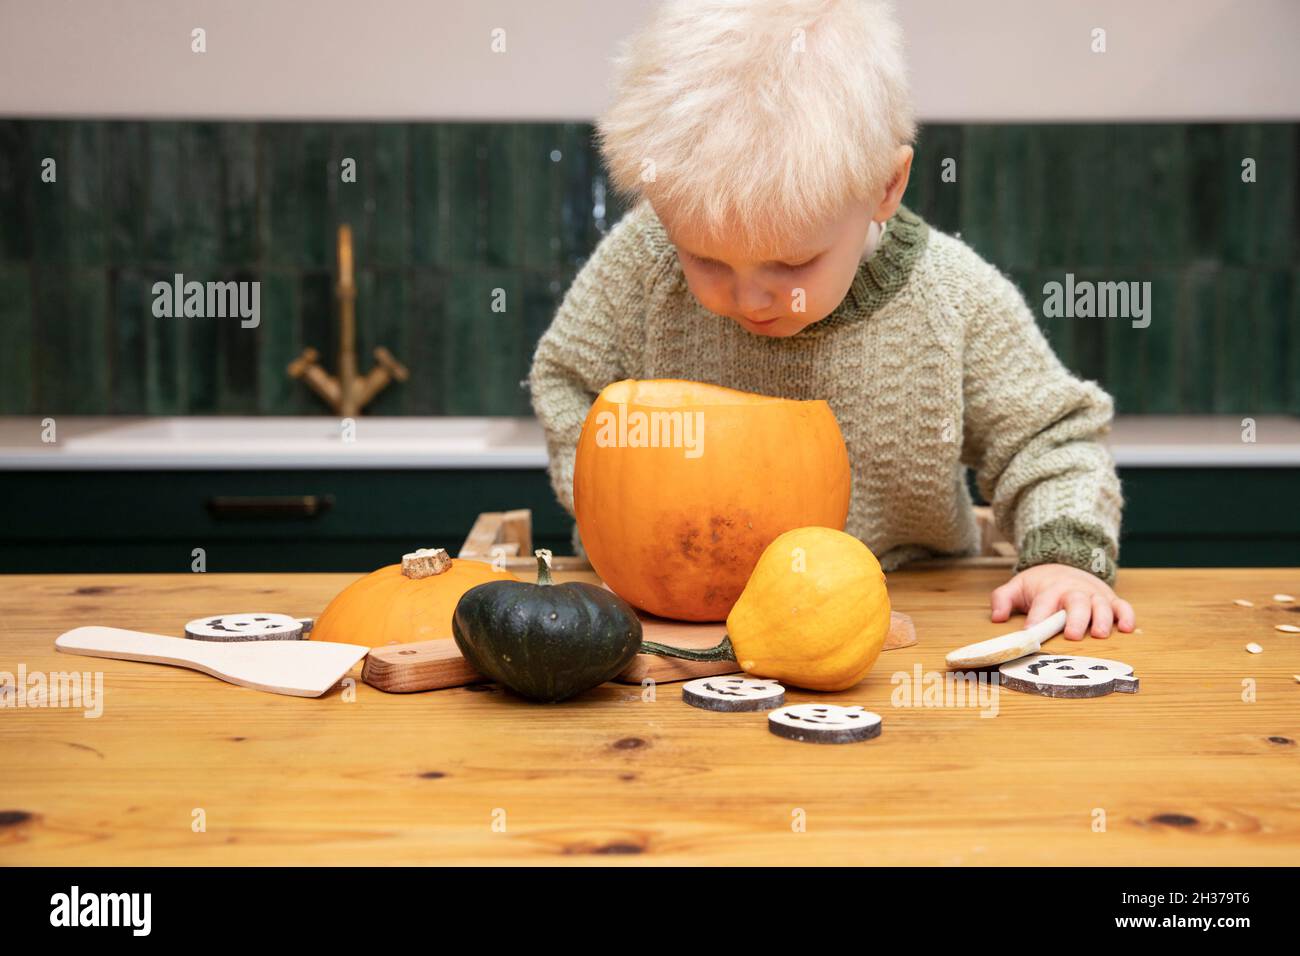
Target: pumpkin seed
(1242,602)
(1254,648)
(1284,598)
(1287,628)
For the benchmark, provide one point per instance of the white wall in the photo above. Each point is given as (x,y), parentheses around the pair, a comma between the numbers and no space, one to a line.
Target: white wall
(430,59)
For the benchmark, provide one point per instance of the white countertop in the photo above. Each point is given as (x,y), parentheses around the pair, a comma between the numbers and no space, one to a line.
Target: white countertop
(1205,441)
(127,444)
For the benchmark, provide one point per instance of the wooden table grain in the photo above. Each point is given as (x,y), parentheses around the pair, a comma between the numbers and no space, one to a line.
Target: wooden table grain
(1201,767)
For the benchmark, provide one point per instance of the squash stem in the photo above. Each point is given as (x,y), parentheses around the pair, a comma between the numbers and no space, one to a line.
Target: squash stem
(543,566)
(722,652)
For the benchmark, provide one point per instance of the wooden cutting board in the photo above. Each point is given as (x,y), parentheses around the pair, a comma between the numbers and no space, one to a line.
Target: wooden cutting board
(434,665)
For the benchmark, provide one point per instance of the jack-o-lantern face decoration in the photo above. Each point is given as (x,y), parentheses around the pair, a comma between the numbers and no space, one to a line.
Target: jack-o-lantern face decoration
(733,693)
(245,627)
(1065,675)
(824,723)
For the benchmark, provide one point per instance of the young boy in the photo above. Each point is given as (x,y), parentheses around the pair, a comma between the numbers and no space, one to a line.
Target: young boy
(769,144)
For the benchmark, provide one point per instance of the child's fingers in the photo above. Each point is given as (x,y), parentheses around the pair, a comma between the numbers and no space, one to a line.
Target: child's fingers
(1124,615)
(1078,609)
(1043,606)
(1102,616)
(1005,599)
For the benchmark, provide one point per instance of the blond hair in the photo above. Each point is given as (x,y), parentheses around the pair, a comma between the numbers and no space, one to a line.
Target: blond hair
(756,120)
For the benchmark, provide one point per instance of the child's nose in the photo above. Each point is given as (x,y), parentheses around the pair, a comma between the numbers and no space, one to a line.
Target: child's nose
(751,297)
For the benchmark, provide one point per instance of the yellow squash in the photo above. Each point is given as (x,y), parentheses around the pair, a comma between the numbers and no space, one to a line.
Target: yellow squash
(815,612)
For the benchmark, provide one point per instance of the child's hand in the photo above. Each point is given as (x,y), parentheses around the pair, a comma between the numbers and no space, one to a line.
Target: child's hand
(1046,588)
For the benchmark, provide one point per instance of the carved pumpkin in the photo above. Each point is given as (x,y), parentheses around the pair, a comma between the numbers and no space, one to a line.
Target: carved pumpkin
(679,486)
(400,603)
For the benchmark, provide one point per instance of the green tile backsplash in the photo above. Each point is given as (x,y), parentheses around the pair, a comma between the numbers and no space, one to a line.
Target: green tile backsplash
(444,213)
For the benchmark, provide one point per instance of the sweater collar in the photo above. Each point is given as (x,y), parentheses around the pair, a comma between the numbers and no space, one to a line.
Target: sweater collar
(885,272)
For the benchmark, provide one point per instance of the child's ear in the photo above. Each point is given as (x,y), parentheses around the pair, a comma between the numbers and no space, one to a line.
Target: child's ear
(893,197)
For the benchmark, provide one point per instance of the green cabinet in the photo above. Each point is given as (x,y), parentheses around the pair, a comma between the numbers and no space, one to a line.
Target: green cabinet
(1210,517)
(124,521)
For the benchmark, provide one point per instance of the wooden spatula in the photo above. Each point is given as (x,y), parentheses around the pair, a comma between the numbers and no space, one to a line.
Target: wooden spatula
(1008,647)
(434,665)
(296,668)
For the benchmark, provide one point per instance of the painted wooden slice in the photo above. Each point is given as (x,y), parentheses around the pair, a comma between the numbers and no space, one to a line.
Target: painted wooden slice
(1066,675)
(253,626)
(733,693)
(824,723)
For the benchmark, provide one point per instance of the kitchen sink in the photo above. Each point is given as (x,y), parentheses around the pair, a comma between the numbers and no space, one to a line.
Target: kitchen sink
(242,432)
(274,442)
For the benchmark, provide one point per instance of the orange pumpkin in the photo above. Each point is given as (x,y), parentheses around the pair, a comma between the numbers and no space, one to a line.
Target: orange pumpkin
(679,486)
(400,603)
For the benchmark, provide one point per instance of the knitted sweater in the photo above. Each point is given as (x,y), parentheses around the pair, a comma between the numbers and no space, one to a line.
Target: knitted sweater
(932,364)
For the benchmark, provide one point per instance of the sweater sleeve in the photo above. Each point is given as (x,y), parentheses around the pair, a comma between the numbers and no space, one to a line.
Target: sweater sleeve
(1032,433)
(592,341)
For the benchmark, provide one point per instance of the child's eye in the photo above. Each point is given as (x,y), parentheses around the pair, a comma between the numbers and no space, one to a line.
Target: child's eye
(800,265)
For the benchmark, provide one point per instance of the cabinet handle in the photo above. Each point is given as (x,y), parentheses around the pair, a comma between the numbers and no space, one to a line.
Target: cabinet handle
(269,506)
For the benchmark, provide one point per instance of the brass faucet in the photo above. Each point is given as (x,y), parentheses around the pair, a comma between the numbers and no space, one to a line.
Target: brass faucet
(349,392)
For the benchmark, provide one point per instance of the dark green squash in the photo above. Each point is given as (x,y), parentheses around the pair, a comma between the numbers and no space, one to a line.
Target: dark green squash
(546,641)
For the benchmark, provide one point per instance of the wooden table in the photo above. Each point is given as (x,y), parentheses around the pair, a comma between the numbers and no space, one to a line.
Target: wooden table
(1184,772)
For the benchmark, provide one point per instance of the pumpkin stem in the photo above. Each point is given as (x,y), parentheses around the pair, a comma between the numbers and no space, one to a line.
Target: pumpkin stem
(425,562)
(543,566)
(721,652)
